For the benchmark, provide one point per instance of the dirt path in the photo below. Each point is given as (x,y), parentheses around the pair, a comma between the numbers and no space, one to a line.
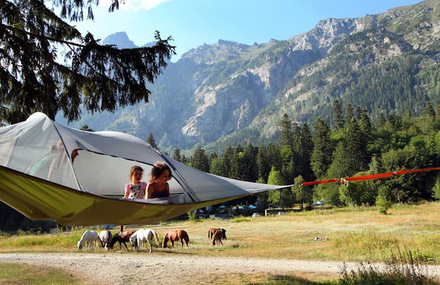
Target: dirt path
(110,268)
(140,268)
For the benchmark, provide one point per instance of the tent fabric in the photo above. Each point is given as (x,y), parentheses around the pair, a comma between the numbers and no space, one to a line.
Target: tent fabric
(39,199)
(40,179)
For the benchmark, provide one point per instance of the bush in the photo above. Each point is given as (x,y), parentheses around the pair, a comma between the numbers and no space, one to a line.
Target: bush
(382,204)
(192,215)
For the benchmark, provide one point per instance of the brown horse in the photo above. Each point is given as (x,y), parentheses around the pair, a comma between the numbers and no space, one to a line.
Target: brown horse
(175,235)
(122,238)
(218,236)
(212,231)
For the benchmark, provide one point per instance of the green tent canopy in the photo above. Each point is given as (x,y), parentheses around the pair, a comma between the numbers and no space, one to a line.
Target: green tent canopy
(39,178)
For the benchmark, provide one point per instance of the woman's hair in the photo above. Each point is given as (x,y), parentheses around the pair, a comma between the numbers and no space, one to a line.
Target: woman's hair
(135,168)
(157,170)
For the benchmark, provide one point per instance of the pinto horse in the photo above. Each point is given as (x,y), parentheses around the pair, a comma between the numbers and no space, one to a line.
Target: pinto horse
(122,238)
(218,235)
(175,235)
(106,238)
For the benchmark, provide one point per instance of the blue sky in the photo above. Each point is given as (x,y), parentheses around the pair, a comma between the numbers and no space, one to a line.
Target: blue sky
(192,23)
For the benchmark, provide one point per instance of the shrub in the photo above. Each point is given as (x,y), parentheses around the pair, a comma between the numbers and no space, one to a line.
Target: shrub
(382,204)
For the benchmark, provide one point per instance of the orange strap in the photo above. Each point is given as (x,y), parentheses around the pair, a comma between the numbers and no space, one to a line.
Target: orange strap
(369,177)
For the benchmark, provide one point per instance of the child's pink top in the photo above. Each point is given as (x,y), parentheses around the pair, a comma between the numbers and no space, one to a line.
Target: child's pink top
(136,191)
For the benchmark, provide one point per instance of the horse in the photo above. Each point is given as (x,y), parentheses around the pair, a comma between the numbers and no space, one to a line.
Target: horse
(106,238)
(212,231)
(144,235)
(175,235)
(121,237)
(88,237)
(218,236)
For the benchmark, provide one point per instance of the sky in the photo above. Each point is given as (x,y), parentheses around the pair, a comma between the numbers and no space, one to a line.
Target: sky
(192,23)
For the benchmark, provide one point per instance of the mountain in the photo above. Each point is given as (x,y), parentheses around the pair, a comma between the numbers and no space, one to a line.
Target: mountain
(228,93)
(120,39)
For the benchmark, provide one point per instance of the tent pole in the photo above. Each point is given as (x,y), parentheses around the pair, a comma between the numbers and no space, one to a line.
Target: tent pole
(122,228)
(182,181)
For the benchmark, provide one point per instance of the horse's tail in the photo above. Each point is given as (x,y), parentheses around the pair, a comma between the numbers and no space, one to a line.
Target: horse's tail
(101,240)
(209,233)
(156,236)
(114,240)
(165,240)
(185,237)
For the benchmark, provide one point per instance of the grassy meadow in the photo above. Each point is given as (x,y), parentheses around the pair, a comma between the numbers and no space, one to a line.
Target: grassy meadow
(346,234)
(349,234)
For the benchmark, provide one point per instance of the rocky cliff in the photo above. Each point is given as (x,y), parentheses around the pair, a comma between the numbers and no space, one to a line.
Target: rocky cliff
(229,92)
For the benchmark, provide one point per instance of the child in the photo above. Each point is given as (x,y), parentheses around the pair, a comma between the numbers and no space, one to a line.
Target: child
(157,185)
(136,189)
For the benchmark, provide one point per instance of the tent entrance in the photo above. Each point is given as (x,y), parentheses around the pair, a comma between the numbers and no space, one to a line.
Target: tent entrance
(106,175)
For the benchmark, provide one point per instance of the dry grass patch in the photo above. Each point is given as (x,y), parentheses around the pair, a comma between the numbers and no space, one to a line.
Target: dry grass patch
(17,274)
(349,234)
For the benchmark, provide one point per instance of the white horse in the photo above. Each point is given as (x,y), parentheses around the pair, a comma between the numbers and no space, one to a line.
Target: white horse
(88,237)
(144,235)
(106,238)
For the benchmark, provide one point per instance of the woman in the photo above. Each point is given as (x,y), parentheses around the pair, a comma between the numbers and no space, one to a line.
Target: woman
(158,184)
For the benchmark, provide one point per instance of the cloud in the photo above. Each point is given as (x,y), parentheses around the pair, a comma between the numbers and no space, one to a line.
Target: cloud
(136,5)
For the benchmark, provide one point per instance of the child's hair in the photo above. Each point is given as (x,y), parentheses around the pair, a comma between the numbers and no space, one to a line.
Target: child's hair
(157,170)
(133,169)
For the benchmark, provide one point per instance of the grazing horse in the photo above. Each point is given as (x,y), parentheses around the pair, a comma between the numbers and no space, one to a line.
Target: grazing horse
(106,238)
(121,237)
(175,235)
(88,237)
(144,235)
(212,231)
(218,236)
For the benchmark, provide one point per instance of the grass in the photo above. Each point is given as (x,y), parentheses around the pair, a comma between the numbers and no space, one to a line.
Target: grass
(348,234)
(20,274)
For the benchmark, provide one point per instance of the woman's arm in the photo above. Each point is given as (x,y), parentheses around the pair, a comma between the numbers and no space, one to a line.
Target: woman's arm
(126,191)
(149,191)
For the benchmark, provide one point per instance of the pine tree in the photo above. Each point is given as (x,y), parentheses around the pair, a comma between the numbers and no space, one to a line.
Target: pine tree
(151,141)
(287,149)
(382,120)
(176,155)
(356,148)
(349,114)
(263,164)
(249,163)
(338,117)
(227,160)
(365,126)
(305,153)
(200,160)
(429,112)
(322,149)
(96,78)
(274,156)
(286,131)
(340,166)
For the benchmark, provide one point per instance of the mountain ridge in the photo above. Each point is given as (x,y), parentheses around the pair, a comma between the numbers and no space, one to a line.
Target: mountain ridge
(228,93)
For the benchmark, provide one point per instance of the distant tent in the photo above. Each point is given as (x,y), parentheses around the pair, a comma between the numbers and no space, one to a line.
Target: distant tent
(318,203)
(39,178)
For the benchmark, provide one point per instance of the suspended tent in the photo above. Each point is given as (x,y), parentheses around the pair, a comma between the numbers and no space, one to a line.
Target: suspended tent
(40,179)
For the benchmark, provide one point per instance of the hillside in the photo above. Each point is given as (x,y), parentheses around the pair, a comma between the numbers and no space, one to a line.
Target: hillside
(225,93)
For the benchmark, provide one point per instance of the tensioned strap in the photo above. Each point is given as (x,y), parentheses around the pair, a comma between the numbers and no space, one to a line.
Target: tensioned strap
(369,177)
